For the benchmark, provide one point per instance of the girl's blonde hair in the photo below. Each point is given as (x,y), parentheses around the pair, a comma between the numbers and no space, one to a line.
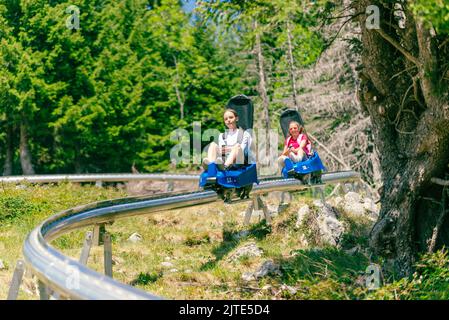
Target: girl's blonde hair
(300,127)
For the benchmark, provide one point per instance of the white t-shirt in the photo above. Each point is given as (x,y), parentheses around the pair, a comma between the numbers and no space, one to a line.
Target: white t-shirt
(231,139)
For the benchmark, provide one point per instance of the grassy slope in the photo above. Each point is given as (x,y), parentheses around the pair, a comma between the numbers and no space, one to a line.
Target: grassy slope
(198,242)
(22,208)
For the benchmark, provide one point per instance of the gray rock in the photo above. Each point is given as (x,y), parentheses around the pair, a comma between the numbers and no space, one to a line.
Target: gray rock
(353,251)
(241,234)
(250,250)
(135,237)
(268,267)
(117,260)
(167,264)
(355,208)
(173,270)
(248,276)
(352,197)
(330,228)
(266,287)
(370,206)
(291,290)
(318,203)
(302,213)
(338,201)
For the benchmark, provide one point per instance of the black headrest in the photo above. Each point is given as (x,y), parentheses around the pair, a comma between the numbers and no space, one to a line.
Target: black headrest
(245,110)
(288,116)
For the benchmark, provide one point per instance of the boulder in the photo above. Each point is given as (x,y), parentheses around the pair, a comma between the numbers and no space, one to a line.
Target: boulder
(330,228)
(248,276)
(355,208)
(318,203)
(302,213)
(268,267)
(135,237)
(250,250)
(167,264)
(241,234)
(338,201)
(352,197)
(291,290)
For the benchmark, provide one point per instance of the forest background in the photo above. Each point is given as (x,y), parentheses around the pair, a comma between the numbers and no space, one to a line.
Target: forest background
(106,95)
(368,76)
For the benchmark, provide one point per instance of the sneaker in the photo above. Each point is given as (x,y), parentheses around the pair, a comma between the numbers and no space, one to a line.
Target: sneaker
(291,172)
(205,164)
(220,165)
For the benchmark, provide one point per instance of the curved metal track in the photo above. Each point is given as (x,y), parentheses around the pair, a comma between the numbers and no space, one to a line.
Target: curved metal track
(105,177)
(70,279)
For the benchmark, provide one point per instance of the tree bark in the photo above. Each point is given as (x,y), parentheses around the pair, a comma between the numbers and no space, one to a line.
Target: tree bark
(292,66)
(178,92)
(407,100)
(7,168)
(262,88)
(25,154)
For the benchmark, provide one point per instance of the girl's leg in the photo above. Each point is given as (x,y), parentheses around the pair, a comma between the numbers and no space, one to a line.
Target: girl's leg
(233,155)
(212,152)
(281,162)
(297,157)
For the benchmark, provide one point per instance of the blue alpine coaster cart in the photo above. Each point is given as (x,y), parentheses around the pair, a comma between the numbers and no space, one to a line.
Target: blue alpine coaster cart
(236,181)
(308,171)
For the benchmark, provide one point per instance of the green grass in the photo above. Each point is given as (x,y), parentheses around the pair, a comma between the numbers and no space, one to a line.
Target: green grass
(199,241)
(23,207)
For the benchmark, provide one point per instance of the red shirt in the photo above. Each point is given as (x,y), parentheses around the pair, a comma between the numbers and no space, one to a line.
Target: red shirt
(295,144)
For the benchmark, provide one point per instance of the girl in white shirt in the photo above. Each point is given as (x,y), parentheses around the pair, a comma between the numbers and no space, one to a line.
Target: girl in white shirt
(229,145)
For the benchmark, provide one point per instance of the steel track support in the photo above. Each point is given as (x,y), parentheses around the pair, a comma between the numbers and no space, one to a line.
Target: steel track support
(285,201)
(86,248)
(248,213)
(97,237)
(107,254)
(43,291)
(257,204)
(16,280)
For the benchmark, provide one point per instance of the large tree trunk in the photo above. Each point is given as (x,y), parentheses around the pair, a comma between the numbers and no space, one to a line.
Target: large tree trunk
(292,68)
(262,88)
(7,167)
(406,96)
(177,90)
(25,154)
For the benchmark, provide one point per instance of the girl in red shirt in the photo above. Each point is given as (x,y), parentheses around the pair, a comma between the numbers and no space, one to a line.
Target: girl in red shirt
(297,145)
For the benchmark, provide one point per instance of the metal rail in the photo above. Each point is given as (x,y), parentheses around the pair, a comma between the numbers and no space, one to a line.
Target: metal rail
(70,279)
(105,177)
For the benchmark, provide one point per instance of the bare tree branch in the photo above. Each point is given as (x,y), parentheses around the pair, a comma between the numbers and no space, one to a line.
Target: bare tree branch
(440,182)
(395,44)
